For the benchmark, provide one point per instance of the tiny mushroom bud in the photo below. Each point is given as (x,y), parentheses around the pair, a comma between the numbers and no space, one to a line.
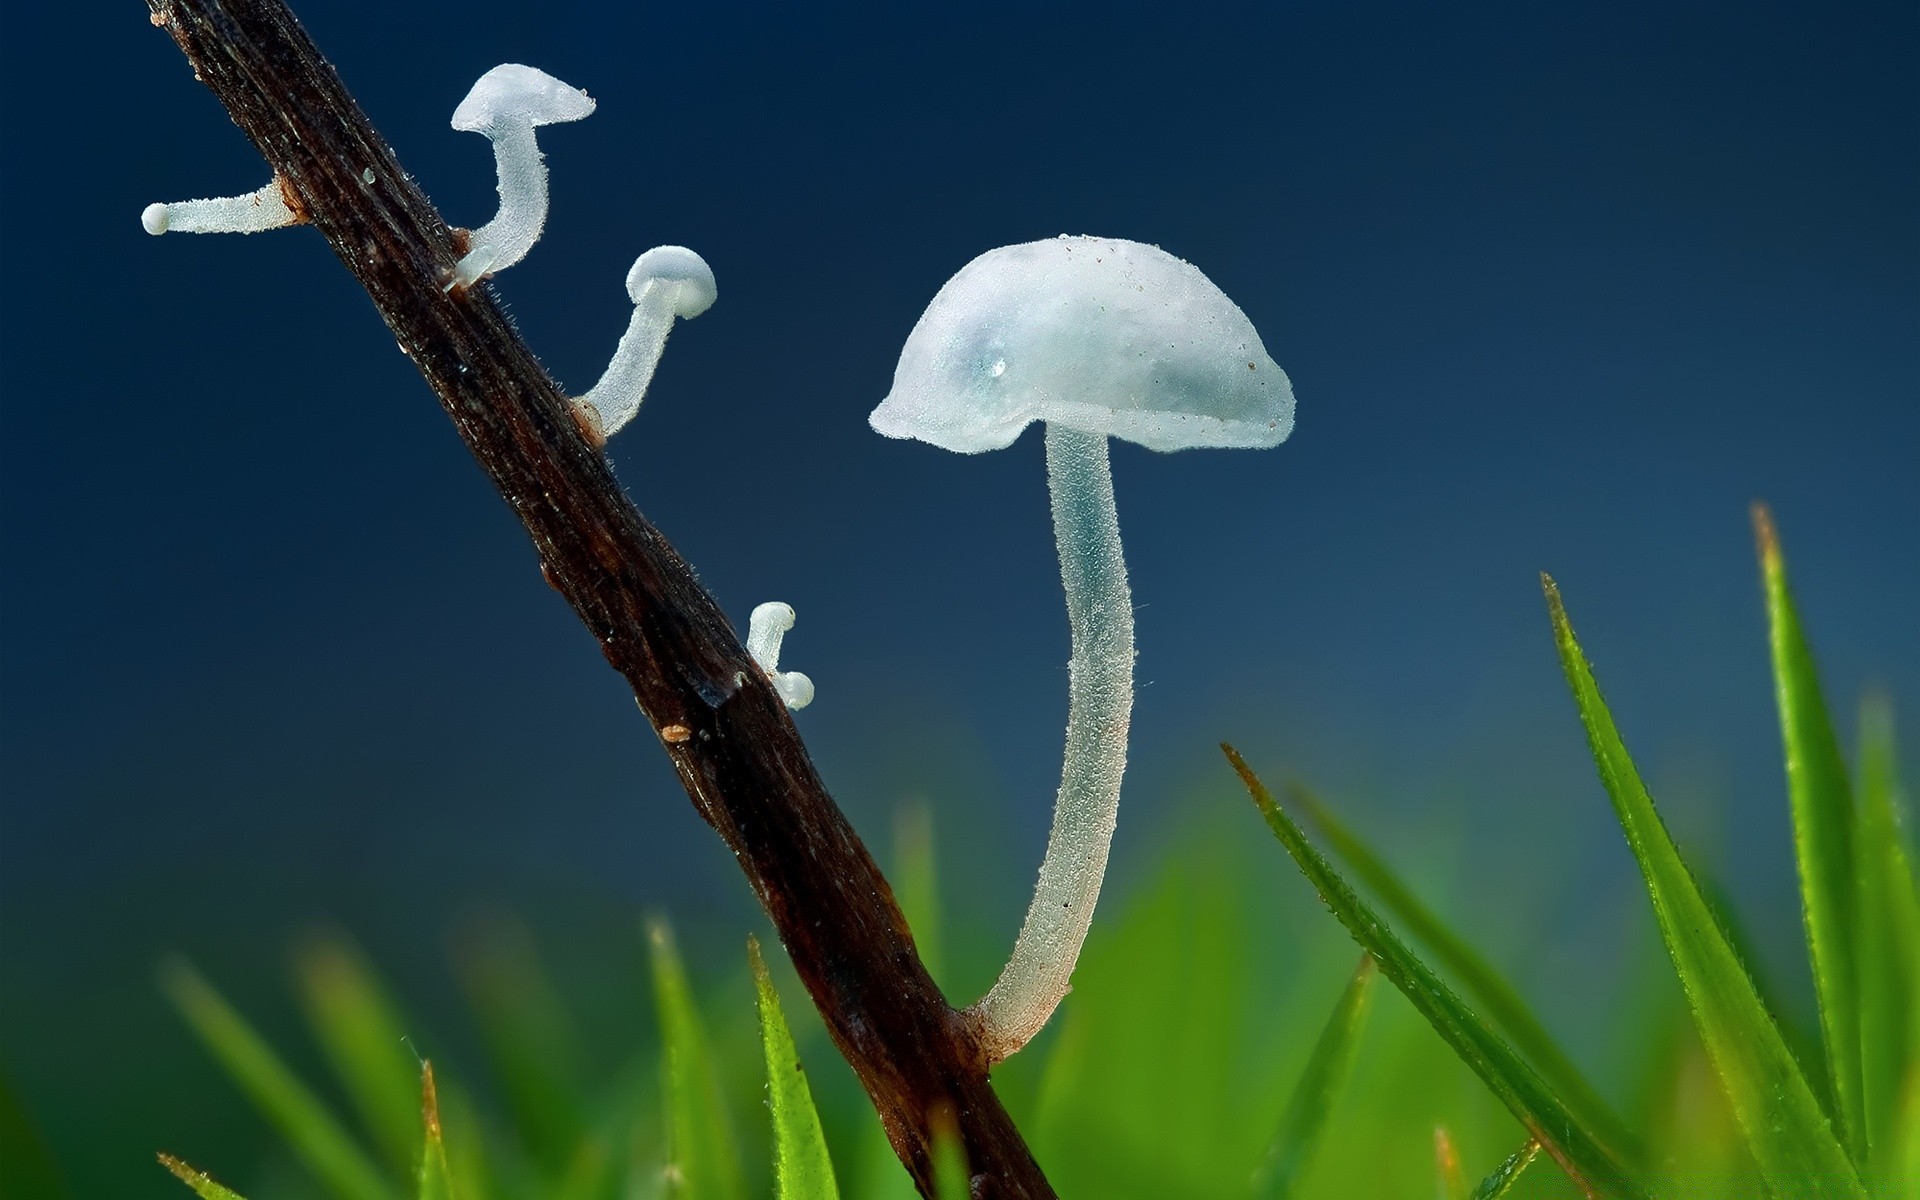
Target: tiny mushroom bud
(1097,338)
(766,628)
(259,210)
(665,282)
(506,105)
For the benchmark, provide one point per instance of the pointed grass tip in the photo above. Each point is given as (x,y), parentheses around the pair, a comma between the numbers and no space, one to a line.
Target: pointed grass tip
(1766,535)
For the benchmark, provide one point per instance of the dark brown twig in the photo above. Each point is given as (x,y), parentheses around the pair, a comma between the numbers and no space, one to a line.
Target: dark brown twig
(728,734)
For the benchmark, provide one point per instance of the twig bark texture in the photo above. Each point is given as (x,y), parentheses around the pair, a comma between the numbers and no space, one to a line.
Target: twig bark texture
(728,734)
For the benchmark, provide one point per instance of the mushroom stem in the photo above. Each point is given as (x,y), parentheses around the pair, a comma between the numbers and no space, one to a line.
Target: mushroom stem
(766,629)
(1100,691)
(522,172)
(666,282)
(616,398)
(263,209)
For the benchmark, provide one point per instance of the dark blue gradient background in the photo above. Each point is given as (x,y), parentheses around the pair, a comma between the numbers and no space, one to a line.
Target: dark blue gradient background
(1559,287)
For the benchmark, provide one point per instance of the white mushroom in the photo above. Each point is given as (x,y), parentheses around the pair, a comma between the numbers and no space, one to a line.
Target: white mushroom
(665,282)
(252,213)
(507,104)
(1098,338)
(766,628)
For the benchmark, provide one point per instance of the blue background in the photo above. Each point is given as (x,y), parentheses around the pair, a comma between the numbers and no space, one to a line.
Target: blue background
(1559,287)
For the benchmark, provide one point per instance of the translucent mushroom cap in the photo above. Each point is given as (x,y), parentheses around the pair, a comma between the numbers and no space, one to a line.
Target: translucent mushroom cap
(1100,334)
(685,276)
(514,93)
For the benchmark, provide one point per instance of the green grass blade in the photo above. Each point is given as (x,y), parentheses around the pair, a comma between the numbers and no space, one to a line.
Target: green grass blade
(1822,836)
(1802,1037)
(315,1135)
(435,1178)
(1906,1147)
(802,1168)
(1476,976)
(952,1178)
(361,1034)
(1321,1082)
(1507,1173)
(917,882)
(30,1168)
(203,1184)
(530,1041)
(1887,936)
(1446,1161)
(1190,990)
(469,1170)
(1544,1115)
(1784,1124)
(587,1175)
(703,1149)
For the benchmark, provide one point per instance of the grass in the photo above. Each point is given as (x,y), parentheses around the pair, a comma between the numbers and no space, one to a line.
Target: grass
(1786,1130)
(1215,1045)
(802,1165)
(1321,1082)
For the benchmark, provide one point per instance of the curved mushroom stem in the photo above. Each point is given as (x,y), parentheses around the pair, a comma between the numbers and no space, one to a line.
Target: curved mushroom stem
(1100,690)
(766,629)
(505,240)
(664,283)
(614,400)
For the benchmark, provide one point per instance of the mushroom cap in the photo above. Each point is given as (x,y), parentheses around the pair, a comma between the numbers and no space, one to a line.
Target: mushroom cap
(1099,334)
(518,94)
(686,276)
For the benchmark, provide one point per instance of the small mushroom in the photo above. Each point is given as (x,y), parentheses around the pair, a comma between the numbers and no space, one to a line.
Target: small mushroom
(252,213)
(766,628)
(507,104)
(1097,338)
(665,282)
